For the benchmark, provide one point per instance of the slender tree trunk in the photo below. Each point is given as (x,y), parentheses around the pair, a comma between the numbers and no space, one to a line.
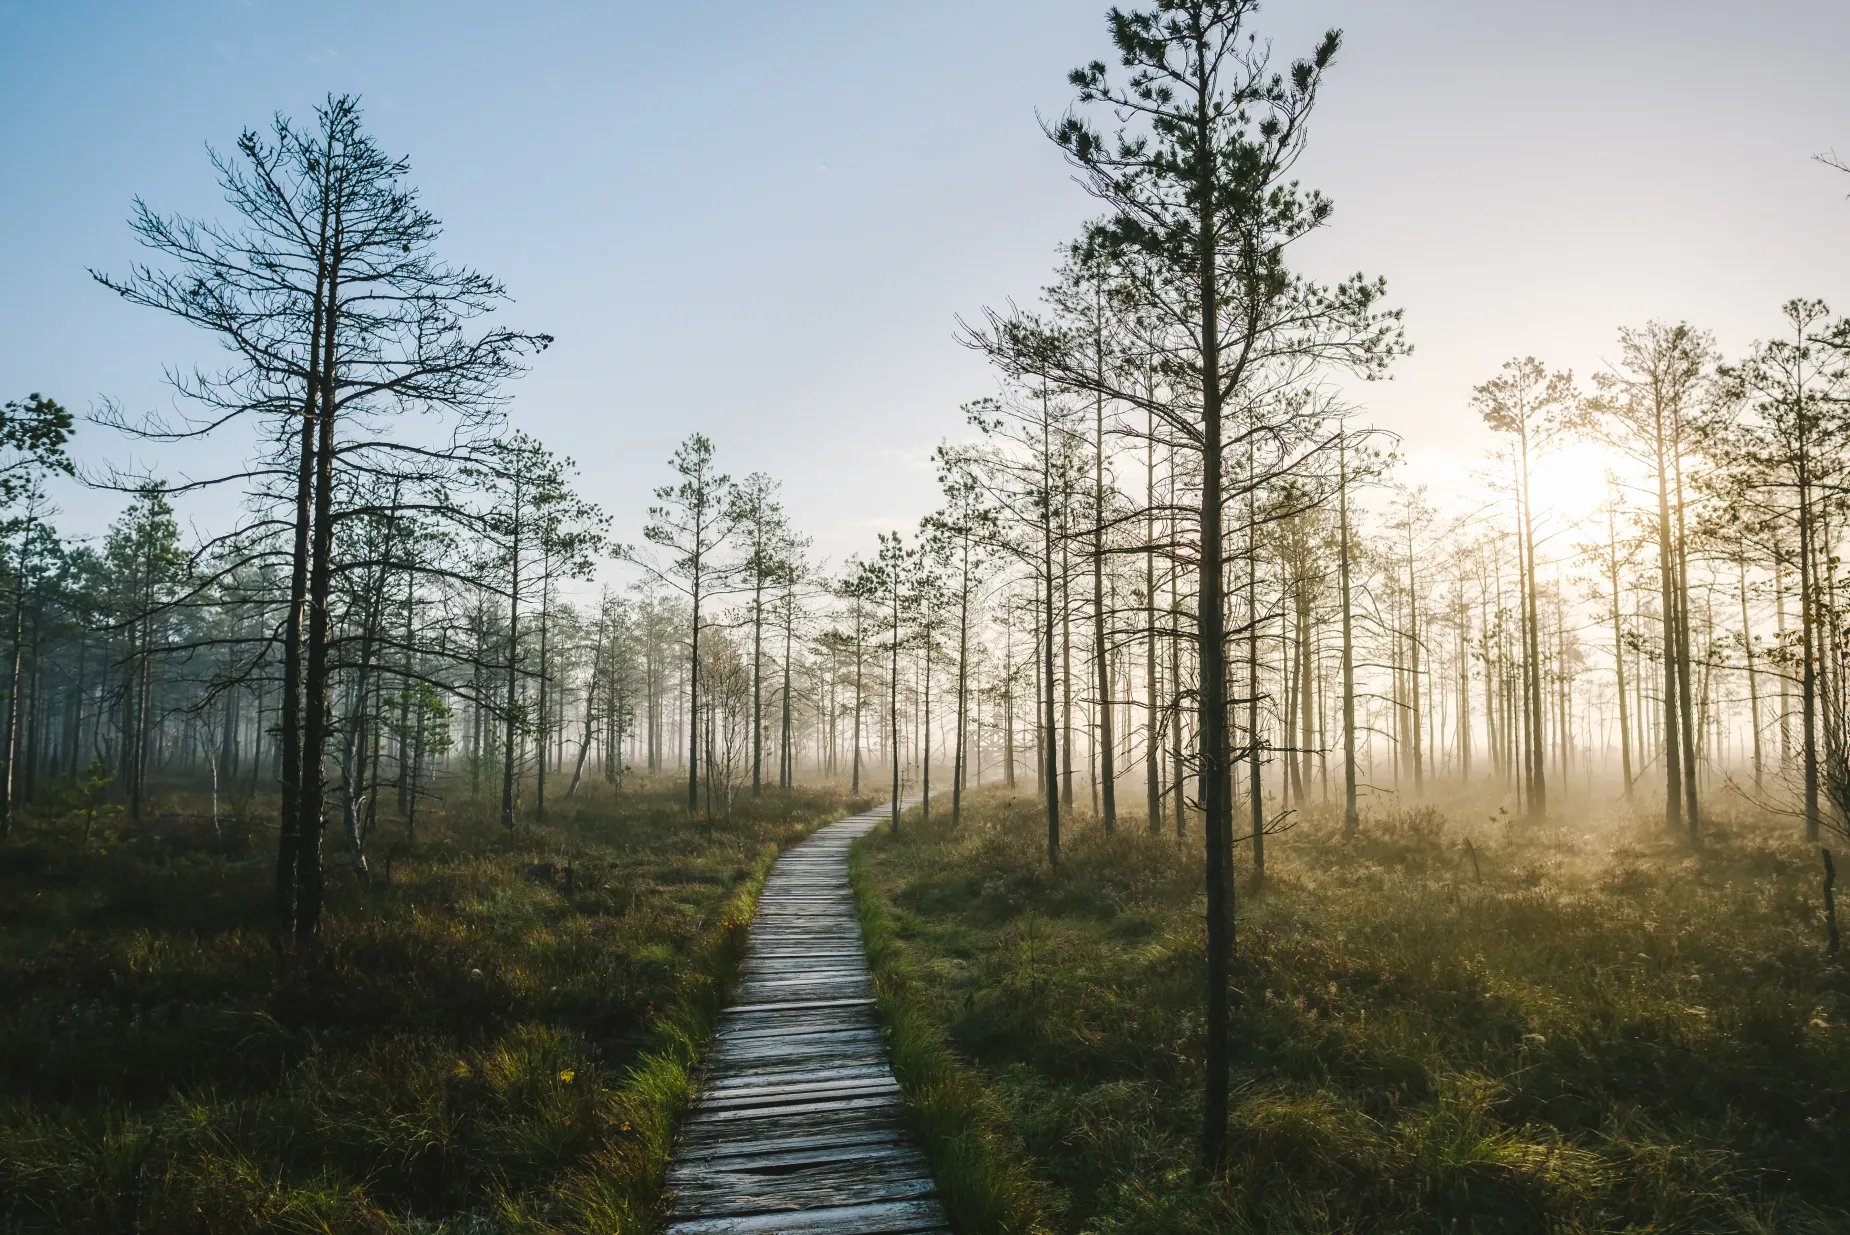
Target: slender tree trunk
(1211,654)
(13,679)
(288,848)
(1753,679)
(316,669)
(1049,727)
(509,767)
(893,703)
(758,670)
(542,714)
(925,737)
(1153,728)
(1785,679)
(1107,770)
(786,772)
(693,691)
(859,665)
(1691,817)
(963,684)
(1413,663)
(1808,638)
(1066,660)
(1306,662)
(1532,652)
(1673,756)
(1255,796)
(1008,707)
(1350,817)
(405,692)
(1618,652)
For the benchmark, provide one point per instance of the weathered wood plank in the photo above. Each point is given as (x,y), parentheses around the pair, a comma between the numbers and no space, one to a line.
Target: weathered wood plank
(807,1188)
(813,1130)
(912,1217)
(792,1005)
(819,1073)
(843,1141)
(768,1161)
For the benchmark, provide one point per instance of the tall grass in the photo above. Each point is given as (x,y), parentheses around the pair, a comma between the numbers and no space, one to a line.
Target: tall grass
(981,1177)
(1609,1033)
(478,1048)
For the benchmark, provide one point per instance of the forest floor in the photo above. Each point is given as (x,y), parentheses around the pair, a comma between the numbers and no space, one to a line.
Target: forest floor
(480,1047)
(1609,1033)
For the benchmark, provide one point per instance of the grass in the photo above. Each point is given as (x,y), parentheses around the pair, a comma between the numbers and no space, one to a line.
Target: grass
(981,1176)
(477,1050)
(1610,1033)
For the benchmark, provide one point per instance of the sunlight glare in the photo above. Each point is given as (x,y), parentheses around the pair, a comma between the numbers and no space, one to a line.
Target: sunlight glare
(1570,483)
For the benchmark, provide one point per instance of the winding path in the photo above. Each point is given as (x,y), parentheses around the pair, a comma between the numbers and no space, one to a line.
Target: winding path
(798,1125)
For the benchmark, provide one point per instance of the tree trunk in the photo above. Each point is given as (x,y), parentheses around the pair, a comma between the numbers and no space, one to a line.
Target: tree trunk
(1153,728)
(963,684)
(1107,770)
(288,848)
(316,675)
(1350,817)
(1673,755)
(13,678)
(1211,652)
(758,671)
(1532,651)
(509,769)
(1255,797)
(1684,706)
(542,712)
(859,666)
(1048,726)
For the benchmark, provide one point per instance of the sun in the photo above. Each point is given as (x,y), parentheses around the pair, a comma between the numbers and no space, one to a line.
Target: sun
(1572,483)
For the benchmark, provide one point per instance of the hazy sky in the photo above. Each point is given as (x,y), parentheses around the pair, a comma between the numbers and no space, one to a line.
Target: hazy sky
(759,220)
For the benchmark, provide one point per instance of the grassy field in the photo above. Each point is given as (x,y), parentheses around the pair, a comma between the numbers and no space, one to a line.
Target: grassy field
(479,1049)
(1609,1033)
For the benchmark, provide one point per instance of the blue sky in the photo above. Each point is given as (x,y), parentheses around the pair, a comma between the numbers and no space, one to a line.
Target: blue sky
(760,220)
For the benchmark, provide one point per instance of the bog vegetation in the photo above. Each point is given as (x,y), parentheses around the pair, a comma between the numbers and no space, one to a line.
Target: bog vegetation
(1298,849)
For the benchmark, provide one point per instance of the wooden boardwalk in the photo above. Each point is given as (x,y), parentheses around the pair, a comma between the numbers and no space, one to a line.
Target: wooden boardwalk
(798,1126)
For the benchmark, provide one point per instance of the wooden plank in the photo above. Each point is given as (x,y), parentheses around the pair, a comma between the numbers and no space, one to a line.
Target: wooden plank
(803,1074)
(825,1037)
(871,1140)
(911,1217)
(769,1161)
(793,1024)
(708,1112)
(771,1093)
(793,1005)
(794,1126)
(805,1188)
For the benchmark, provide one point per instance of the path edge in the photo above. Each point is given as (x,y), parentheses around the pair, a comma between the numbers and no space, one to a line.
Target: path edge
(983,1178)
(626,1195)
